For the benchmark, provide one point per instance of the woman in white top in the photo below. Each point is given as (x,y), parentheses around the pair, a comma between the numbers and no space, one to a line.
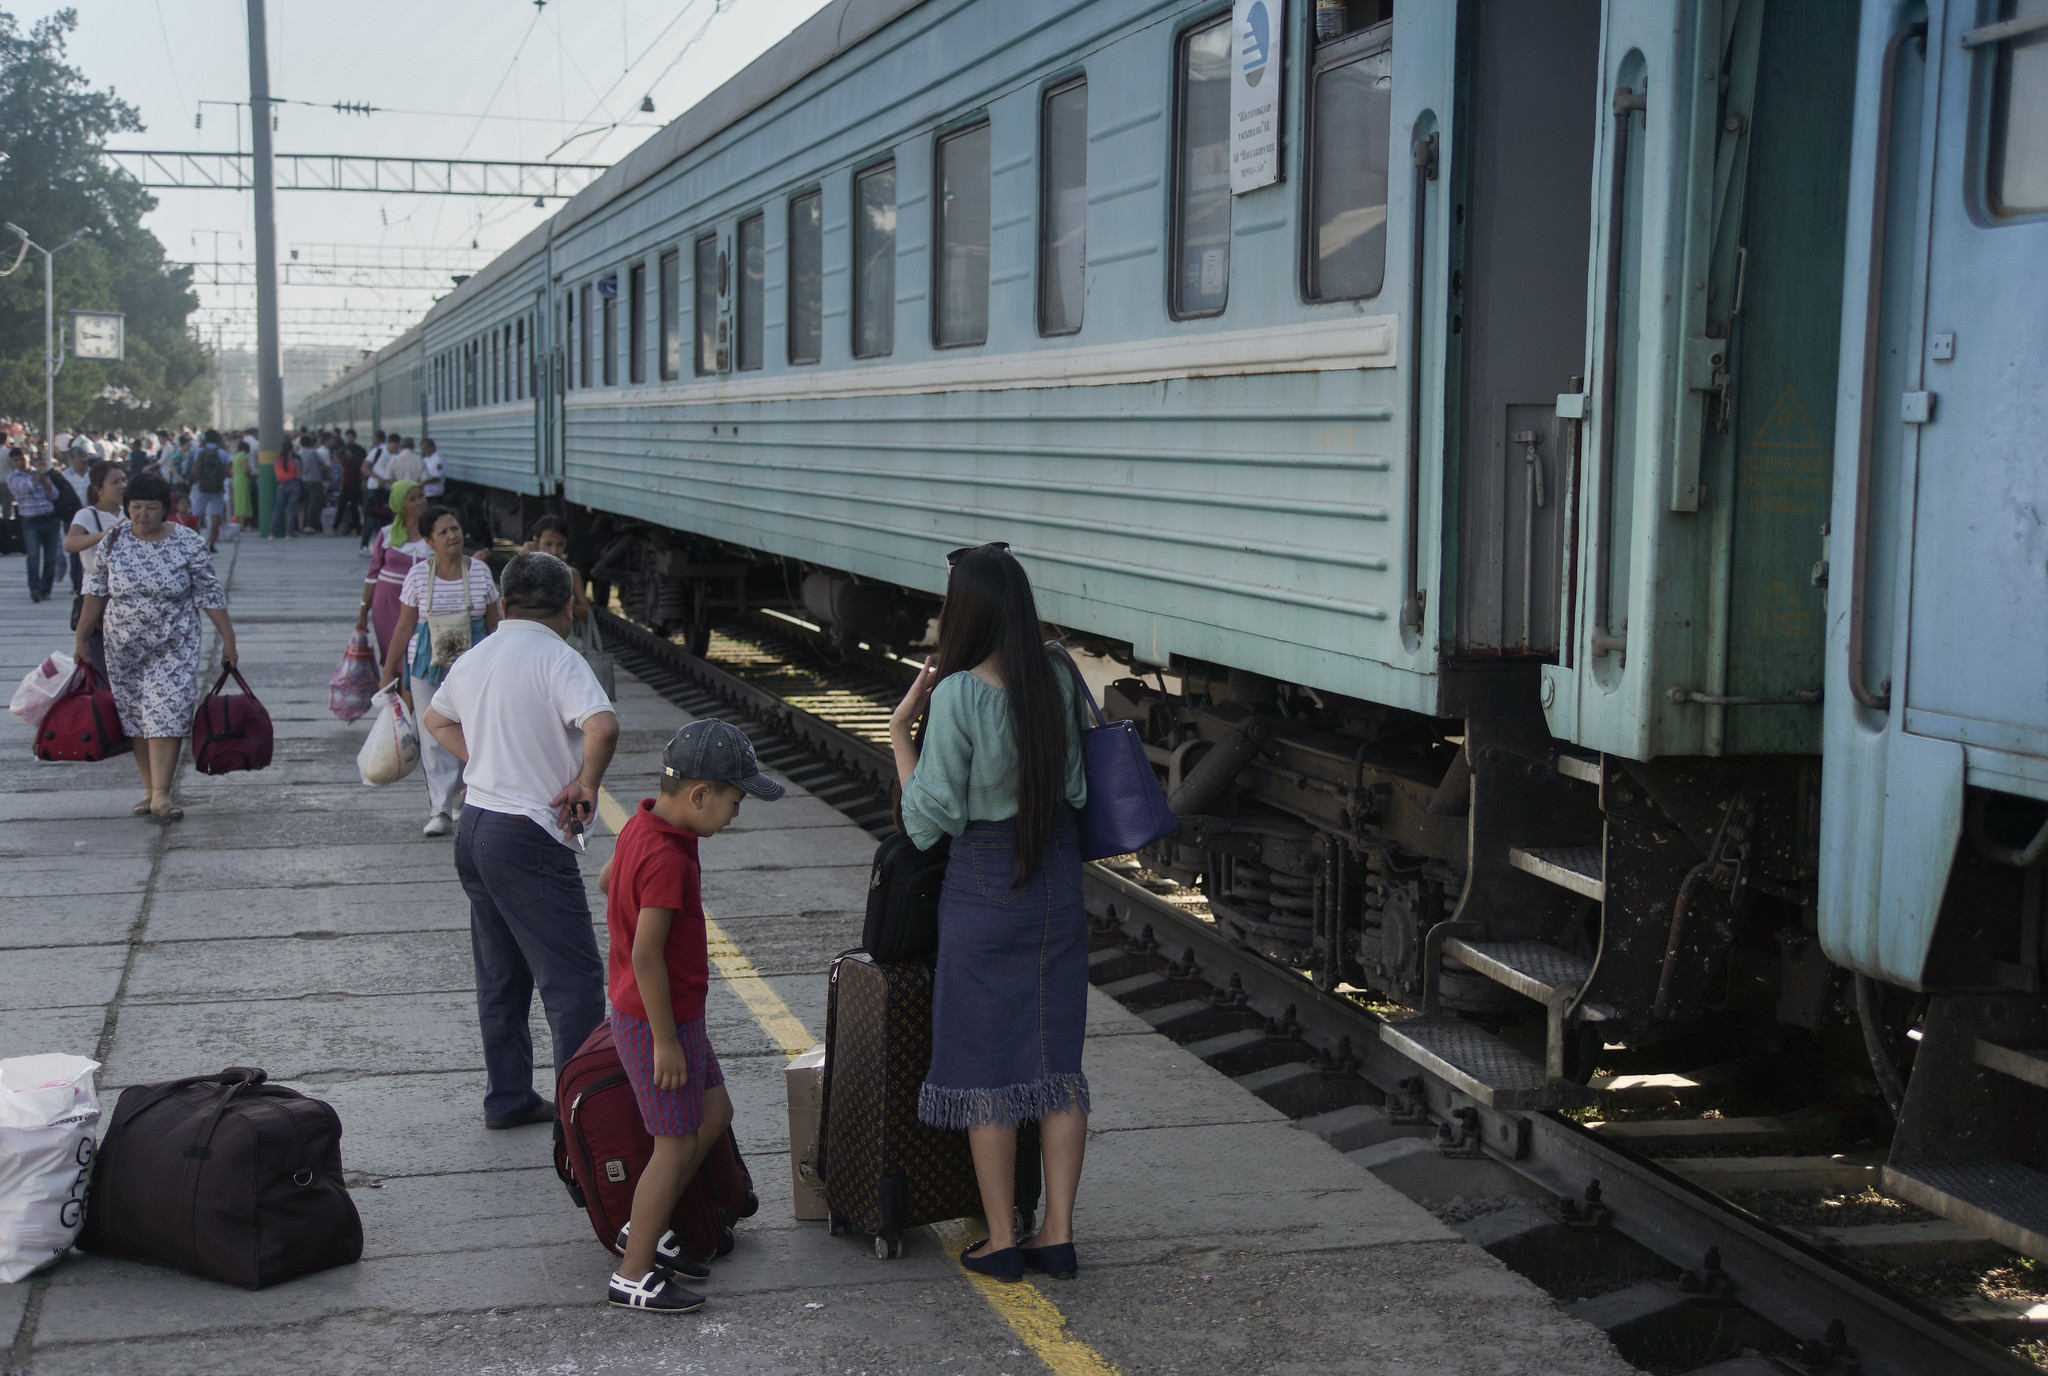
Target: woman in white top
(106,481)
(447,604)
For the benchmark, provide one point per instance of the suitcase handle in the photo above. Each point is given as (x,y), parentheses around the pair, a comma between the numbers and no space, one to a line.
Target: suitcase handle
(237,1076)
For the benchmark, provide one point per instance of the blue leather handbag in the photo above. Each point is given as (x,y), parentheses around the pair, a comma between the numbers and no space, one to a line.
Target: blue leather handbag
(1126,808)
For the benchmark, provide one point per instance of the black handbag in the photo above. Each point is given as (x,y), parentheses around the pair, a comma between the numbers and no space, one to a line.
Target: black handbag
(1126,809)
(903,901)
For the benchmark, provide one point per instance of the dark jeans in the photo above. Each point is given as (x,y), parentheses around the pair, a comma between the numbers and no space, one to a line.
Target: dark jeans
(284,512)
(316,506)
(42,540)
(529,924)
(377,506)
(348,512)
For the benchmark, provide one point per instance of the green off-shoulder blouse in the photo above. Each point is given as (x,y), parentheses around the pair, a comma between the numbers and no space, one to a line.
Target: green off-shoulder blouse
(967,771)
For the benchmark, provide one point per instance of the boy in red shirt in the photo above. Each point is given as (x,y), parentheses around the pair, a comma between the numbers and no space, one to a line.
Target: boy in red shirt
(658,972)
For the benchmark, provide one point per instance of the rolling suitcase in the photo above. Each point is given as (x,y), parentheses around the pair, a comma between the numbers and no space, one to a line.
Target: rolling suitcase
(602,1145)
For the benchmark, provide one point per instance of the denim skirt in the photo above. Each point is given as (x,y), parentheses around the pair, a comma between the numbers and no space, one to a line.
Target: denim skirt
(1010,1001)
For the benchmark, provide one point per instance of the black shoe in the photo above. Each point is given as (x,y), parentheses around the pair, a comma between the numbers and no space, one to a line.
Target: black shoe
(1008,1264)
(669,1255)
(657,1292)
(542,1112)
(1056,1261)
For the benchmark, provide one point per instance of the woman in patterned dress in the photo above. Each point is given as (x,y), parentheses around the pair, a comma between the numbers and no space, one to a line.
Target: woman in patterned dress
(152,581)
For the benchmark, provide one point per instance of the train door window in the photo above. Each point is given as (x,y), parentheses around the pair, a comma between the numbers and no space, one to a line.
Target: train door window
(1201,172)
(874,256)
(2017,175)
(960,269)
(707,305)
(583,336)
(671,316)
(636,323)
(753,251)
(1350,109)
(506,364)
(568,338)
(1063,209)
(519,378)
(806,277)
(608,292)
(497,370)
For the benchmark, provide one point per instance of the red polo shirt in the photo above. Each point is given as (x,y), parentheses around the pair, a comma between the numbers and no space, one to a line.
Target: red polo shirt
(654,865)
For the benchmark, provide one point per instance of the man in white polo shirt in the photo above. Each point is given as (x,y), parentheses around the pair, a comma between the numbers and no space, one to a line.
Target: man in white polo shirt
(525,714)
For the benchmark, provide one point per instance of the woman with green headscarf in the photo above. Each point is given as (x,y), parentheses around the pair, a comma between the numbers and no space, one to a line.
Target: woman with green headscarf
(392,551)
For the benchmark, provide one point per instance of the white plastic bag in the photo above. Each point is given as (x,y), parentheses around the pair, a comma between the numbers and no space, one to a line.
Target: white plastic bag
(47,1111)
(392,749)
(41,687)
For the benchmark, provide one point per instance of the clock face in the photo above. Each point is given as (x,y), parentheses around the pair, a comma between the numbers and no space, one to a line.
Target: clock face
(96,335)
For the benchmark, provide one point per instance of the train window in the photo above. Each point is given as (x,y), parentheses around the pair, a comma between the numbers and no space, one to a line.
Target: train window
(636,323)
(568,337)
(519,378)
(2017,180)
(1063,209)
(874,258)
(1201,172)
(806,277)
(753,283)
(1350,109)
(960,268)
(608,292)
(671,316)
(707,305)
(583,336)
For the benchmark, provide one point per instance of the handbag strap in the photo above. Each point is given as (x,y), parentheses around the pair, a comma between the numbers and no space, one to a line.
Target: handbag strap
(228,671)
(1079,682)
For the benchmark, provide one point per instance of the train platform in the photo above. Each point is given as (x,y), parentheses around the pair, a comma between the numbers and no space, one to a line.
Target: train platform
(298,921)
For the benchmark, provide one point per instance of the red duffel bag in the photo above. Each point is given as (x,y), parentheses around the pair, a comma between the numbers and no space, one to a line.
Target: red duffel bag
(230,733)
(84,724)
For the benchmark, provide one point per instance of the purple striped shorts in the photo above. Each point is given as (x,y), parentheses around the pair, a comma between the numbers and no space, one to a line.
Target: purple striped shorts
(666,1112)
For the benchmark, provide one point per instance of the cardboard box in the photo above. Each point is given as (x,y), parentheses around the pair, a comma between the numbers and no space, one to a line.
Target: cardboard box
(805,1077)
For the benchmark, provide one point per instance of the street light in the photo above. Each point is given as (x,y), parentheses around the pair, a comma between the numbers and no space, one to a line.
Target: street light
(53,353)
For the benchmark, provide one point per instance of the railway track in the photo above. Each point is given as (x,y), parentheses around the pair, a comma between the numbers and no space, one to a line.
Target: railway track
(1683,1279)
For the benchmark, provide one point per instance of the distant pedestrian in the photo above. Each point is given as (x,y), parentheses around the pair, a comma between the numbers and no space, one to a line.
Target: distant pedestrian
(348,504)
(284,514)
(313,484)
(152,581)
(404,463)
(34,491)
(376,491)
(209,487)
(435,470)
(997,766)
(526,714)
(244,479)
(89,531)
(447,605)
(550,535)
(392,550)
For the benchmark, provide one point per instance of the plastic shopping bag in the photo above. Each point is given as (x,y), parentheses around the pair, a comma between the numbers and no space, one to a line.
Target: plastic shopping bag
(392,749)
(355,680)
(41,687)
(47,1111)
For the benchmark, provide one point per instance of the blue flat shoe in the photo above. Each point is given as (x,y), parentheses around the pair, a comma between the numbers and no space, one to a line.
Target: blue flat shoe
(1056,1261)
(1007,1264)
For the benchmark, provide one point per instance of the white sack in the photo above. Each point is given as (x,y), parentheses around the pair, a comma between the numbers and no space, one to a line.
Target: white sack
(41,687)
(392,749)
(48,1108)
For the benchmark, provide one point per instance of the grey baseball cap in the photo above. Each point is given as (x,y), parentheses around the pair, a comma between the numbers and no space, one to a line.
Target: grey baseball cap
(717,751)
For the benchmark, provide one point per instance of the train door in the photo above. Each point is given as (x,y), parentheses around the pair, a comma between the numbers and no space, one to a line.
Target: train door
(1972,398)
(1521,225)
(547,407)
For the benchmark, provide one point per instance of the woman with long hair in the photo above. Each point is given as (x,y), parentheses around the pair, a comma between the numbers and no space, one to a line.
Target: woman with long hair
(997,766)
(392,550)
(105,489)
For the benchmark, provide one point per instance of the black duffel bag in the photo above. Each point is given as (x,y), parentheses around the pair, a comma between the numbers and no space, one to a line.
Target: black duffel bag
(223,1176)
(903,902)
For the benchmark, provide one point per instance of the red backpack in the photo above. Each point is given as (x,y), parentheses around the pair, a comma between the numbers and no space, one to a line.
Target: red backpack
(230,733)
(602,1145)
(84,724)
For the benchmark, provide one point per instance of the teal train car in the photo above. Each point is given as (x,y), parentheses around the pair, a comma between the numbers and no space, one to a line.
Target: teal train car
(1471,424)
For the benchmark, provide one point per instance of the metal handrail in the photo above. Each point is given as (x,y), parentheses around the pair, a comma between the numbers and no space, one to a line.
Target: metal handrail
(1626,103)
(1866,436)
(1424,153)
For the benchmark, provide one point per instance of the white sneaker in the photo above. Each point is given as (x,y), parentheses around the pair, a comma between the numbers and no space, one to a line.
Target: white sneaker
(437,825)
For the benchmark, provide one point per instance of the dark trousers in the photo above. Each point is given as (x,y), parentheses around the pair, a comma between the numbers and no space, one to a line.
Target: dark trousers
(348,512)
(377,508)
(42,540)
(529,925)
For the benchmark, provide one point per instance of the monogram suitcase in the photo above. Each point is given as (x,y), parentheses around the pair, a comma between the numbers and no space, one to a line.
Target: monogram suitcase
(602,1145)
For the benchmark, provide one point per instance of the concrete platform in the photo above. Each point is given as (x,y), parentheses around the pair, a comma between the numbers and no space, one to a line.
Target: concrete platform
(300,922)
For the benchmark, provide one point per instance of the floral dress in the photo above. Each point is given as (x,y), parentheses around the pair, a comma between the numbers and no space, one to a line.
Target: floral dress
(155,591)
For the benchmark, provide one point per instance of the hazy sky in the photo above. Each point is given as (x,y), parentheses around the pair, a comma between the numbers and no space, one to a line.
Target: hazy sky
(452,78)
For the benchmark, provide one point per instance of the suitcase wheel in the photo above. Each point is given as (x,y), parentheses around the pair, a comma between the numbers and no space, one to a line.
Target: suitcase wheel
(885,1250)
(725,1241)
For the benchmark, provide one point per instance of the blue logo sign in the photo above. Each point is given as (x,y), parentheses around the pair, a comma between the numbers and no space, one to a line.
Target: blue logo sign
(1255,44)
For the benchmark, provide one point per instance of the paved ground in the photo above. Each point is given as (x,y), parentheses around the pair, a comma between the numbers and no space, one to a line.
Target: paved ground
(298,921)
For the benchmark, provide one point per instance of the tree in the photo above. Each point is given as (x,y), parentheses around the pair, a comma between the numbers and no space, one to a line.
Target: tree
(52,128)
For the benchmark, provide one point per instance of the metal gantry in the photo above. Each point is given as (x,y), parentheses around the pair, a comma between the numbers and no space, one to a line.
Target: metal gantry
(169,168)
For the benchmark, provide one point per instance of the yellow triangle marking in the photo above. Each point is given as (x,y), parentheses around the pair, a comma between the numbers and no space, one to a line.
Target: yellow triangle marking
(1786,427)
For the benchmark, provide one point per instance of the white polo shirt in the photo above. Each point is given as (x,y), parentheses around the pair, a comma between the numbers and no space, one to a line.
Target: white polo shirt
(522,695)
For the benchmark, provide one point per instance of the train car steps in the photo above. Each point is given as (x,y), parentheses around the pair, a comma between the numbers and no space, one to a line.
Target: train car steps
(2020,1062)
(2003,1200)
(1473,1061)
(1584,768)
(1578,868)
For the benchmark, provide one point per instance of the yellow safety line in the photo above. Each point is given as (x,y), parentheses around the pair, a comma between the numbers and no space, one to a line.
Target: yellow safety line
(1035,1319)
(782,1026)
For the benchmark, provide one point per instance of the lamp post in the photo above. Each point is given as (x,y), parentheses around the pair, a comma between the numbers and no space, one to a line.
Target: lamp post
(53,352)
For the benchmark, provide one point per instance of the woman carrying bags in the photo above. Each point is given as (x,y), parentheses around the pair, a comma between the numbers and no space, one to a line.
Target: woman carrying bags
(392,550)
(151,582)
(447,604)
(105,485)
(998,766)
